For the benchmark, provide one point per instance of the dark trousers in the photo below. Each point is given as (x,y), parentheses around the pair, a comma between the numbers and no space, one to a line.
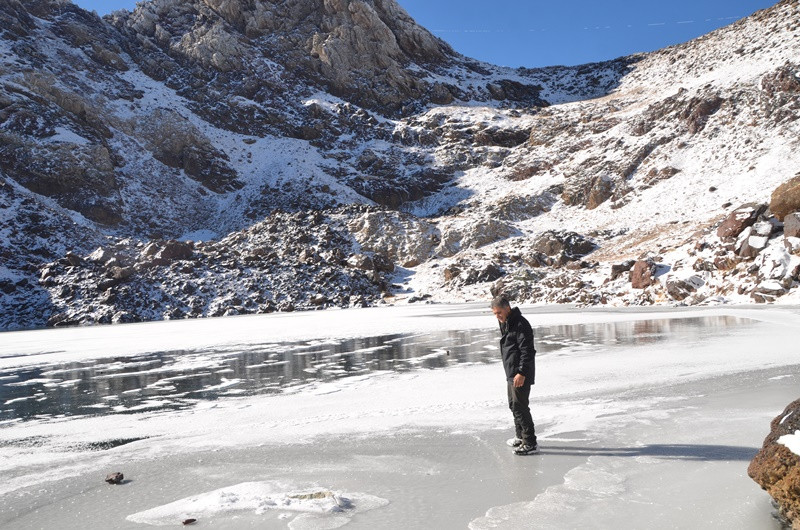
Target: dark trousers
(518,403)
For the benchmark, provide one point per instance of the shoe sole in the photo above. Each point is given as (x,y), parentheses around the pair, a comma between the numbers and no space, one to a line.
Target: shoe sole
(535,452)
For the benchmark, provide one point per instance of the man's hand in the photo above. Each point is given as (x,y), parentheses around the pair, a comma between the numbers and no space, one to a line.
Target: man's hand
(519,380)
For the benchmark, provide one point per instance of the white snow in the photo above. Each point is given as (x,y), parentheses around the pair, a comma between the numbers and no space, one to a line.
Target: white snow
(636,396)
(791,441)
(260,497)
(64,135)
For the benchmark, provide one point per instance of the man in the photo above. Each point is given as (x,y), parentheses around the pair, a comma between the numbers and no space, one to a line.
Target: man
(518,353)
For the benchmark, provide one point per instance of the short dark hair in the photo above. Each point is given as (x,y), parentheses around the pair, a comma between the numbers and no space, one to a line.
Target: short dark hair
(501,300)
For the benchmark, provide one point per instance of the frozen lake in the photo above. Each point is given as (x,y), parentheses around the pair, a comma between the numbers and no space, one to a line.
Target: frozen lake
(394,418)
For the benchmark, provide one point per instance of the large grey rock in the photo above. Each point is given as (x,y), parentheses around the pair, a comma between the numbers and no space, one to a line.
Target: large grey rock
(791,225)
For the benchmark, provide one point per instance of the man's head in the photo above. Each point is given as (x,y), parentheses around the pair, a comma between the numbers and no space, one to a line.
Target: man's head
(501,307)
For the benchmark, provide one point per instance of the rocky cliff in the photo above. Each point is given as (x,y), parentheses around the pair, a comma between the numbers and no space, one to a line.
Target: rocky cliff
(776,468)
(336,153)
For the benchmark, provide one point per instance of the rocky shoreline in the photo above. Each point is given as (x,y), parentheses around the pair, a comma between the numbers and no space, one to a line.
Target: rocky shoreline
(777,469)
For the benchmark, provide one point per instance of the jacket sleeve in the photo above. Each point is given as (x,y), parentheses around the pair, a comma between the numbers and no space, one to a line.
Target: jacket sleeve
(527,353)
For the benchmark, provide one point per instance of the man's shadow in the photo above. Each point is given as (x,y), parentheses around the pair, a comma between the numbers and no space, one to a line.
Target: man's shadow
(691,452)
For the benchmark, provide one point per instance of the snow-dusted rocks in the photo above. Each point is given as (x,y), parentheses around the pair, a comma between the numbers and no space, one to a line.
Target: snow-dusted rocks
(563,247)
(286,262)
(740,219)
(404,239)
(776,468)
(681,286)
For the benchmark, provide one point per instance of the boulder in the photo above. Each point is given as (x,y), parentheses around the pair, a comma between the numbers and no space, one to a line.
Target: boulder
(319,299)
(741,218)
(451,272)
(121,273)
(382,263)
(752,246)
(459,235)
(572,245)
(763,229)
(768,291)
(786,198)
(101,255)
(618,269)
(791,225)
(115,478)
(776,263)
(488,273)
(680,287)
(776,468)
(361,262)
(175,250)
(402,238)
(643,273)
(74,259)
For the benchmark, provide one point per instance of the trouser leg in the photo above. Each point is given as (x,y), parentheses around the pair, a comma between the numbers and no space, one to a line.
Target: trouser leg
(523,421)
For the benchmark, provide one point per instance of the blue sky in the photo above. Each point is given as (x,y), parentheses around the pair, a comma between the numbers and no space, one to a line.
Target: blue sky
(535,33)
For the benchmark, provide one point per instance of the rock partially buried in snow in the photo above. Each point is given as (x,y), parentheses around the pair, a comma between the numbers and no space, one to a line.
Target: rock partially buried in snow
(776,468)
(751,246)
(680,287)
(768,291)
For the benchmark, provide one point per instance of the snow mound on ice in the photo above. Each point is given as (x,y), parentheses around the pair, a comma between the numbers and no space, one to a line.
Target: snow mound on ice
(318,508)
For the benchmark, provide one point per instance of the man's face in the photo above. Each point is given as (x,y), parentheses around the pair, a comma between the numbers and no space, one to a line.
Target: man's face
(501,313)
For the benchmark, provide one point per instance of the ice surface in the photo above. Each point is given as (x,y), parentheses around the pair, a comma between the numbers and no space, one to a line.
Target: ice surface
(646,419)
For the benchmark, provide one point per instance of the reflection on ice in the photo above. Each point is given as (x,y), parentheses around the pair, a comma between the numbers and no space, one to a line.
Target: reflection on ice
(177,379)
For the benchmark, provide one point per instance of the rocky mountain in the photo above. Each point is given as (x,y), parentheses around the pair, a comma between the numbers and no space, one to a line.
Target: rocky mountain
(208,157)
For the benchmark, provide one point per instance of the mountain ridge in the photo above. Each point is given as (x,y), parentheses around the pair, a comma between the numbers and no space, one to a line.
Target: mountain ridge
(198,120)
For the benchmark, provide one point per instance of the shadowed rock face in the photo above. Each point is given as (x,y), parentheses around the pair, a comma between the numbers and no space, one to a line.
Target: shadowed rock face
(777,469)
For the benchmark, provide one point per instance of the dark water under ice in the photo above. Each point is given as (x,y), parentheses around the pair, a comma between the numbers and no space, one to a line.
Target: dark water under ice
(181,378)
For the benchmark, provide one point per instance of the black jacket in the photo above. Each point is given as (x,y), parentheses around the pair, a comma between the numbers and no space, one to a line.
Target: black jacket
(516,347)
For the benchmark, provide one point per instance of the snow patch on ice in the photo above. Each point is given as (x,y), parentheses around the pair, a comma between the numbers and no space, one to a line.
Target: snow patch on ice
(317,507)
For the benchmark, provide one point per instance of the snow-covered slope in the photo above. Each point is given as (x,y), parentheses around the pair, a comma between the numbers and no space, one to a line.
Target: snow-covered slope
(198,120)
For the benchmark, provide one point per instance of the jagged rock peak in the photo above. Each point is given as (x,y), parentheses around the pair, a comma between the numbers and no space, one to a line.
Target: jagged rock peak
(340,45)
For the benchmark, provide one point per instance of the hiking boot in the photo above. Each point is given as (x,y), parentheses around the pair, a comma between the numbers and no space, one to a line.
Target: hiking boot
(526,449)
(514,442)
